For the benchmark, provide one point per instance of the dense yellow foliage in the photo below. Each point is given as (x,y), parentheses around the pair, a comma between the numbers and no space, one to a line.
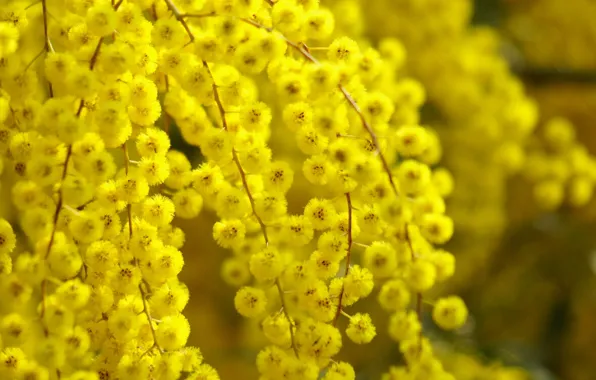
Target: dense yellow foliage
(288,140)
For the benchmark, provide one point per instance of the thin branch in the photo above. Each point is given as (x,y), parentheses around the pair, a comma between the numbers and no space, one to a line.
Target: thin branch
(47,44)
(198,15)
(222,114)
(218,102)
(348,257)
(34,59)
(59,203)
(166,116)
(149,319)
(418,295)
(285,310)
(180,17)
(250,197)
(128,206)
(32,4)
(44,285)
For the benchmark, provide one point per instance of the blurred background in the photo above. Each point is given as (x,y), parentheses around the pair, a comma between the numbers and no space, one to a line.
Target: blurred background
(496,72)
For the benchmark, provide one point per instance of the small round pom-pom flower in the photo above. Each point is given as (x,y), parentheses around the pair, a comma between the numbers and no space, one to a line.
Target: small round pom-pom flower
(9,39)
(380,258)
(411,141)
(266,264)
(73,293)
(172,332)
(207,178)
(270,207)
(278,177)
(101,19)
(133,187)
(333,245)
(158,210)
(444,263)
(152,142)
(319,24)
(358,282)
(443,181)
(321,213)
(361,329)
(168,33)
(229,233)
(188,203)
(8,239)
(250,302)
(421,275)
(549,194)
(413,176)
(340,371)
(287,17)
(272,361)
(298,230)
(155,169)
(450,313)
(377,107)
(436,228)
(64,261)
(297,115)
(51,352)
(277,329)
(404,325)
(12,360)
(310,141)
(235,272)
(344,50)
(86,227)
(317,169)
(323,266)
(394,295)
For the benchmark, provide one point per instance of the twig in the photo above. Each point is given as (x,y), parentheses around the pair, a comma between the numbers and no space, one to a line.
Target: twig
(348,257)
(149,319)
(59,203)
(128,206)
(198,15)
(180,17)
(63,177)
(166,116)
(285,310)
(34,59)
(47,44)
(222,114)
(418,295)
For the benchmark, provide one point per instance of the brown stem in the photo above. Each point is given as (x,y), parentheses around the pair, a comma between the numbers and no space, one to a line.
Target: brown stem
(198,15)
(47,43)
(285,310)
(59,203)
(348,257)
(128,206)
(222,114)
(180,17)
(419,294)
(148,315)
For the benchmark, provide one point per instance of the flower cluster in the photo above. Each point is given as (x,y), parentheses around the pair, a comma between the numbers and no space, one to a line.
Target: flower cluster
(560,168)
(550,20)
(90,262)
(91,288)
